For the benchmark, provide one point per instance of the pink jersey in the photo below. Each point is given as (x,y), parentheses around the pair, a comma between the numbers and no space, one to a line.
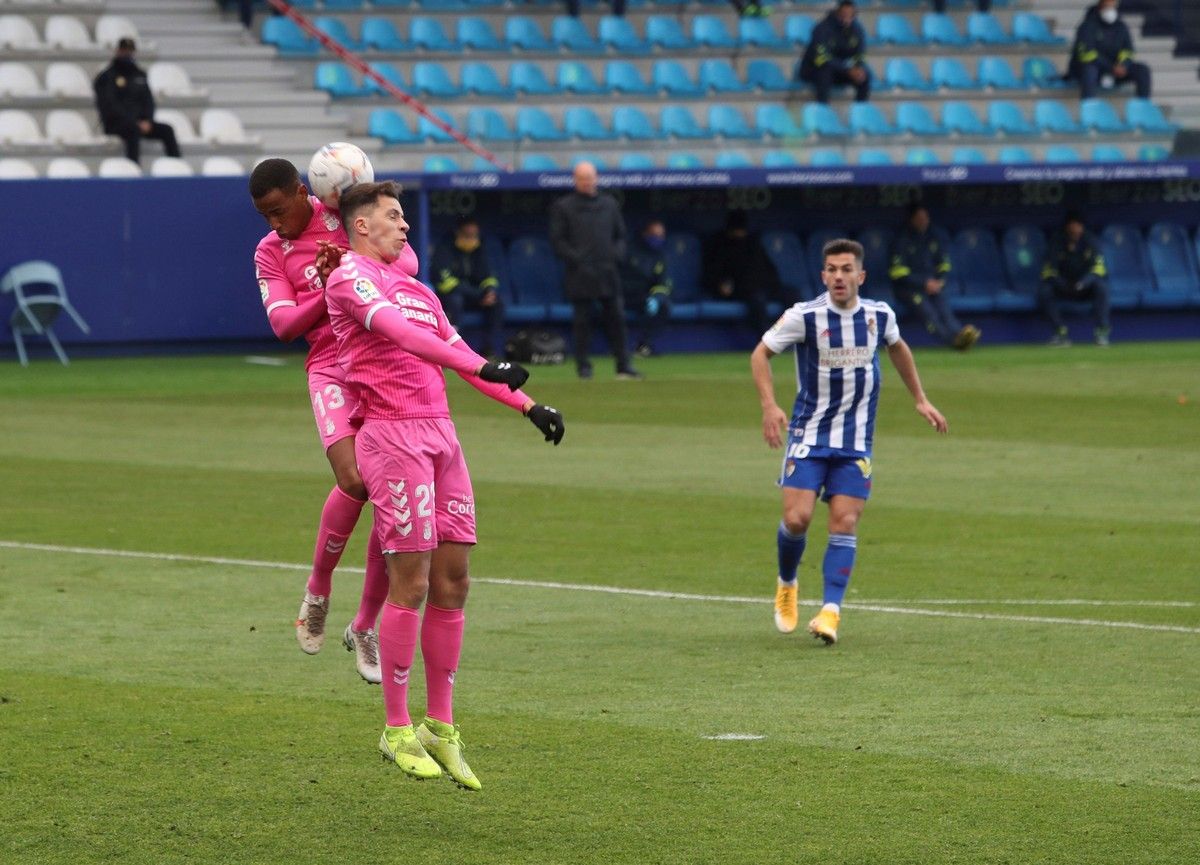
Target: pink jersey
(393,337)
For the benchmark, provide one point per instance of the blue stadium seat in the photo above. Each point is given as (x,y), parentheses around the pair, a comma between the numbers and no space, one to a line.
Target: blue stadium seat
(1153,153)
(1100,116)
(786,252)
(776,121)
(387,124)
(337,80)
(481,164)
(440,5)
(287,37)
(977,271)
(1052,116)
(822,120)
(535,271)
(618,35)
(678,122)
(985,28)
(960,117)
(877,255)
(950,73)
(428,34)
(940,29)
(968,156)
(336,29)
(1063,153)
(664,31)
(1040,72)
(538,162)
(441,164)
(717,75)
(382,35)
(571,34)
(709,31)
(1173,260)
(477,34)
(392,3)
(526,77)
(798,29)
(995,72)
(596,160)
(632,123)
(875,157)
(903,74)
(536,125)
(1027,27)
(341,4)
(760,33)
(816,242)
(921,156)
(632,161)
(1014,154)
(767,76)
(826,157)
(482,78)
(488,124)
(582,122)
(576,77)
(779,159)
(389,72)
(1007,117)
(726,121)
(428,130)
(1145,115)
(672,78)
(1024,248)
(525,34)
(732,159)
(1107,153)
(682,255)
(684,161)
(1129,274)
(622,76)
(892,29)
(867,118)
(431,77)
(914,117)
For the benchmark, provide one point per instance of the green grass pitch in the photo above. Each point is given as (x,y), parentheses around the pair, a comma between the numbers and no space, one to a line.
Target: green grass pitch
(157,709)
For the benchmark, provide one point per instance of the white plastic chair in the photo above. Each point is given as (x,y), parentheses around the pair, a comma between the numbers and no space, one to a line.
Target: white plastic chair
(18,79)
(67,166)
(19,128)
(38,289)
(170,166)
(67,79)
(221,126)
(17,169)
(185,133)
(222,166)
(67,31)
(64,126)
(170,79)
(110,29)
(18,34)
(120,167)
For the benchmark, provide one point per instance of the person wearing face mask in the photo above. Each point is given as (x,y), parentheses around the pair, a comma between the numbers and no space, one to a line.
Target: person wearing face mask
(464,279)
(1103,51)
(647,285)
(835,55)
(126,104)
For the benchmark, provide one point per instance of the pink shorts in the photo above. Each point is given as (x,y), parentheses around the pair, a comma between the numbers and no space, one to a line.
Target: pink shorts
(418,483)
(333,403)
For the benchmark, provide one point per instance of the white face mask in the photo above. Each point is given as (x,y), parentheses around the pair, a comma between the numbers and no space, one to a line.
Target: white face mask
(1108,16)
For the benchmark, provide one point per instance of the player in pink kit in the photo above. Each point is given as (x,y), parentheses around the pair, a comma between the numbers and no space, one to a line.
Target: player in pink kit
(293,296)
(413,467)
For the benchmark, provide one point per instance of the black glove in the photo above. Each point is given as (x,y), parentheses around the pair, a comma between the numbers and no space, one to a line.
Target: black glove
(548,420)
(512,374)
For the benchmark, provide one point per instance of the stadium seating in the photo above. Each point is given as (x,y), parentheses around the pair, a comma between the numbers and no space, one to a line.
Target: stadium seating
(18,79)
(439,164)
(977,270)
(921,156)
(997,73)
(786,252)
(622,76)
(1145,115)
(1007,117)
(874,157)
(69,167)
(779,159)
(893,29)
(670,77)
(18,34)
(678,122)
(110,29)
(1062,153)
(537,162)
(119,167)
(727,121)
(536,125)
(1052,116)
(525,77)
(1030,28)
(867,118)
(826,157)
(431,78)
(914,117)
(488,124)
(1129,274)
(391,127)
(717,75)
(576,77)
(481,79)
(683,161)
(960,118)
(37,287)
(535,272)
(1172,258)
(1099,116)
(584,123)
(759,32)
(20,129)
(17,169)
(571,34)
(65,126)
(903,74)
(68,33)
(986,29)
(67,79)
(222,166)
(1024,249)
(968,156)
(287,37)
(632,123)
(618,35)
(336,29)
(664,32)
(429,35)
(940,29)
(950,73)
(524,34)
(733,159)
(767,76)
(823,120)
(477,34)
(632,161)
(382,35)
(170,166)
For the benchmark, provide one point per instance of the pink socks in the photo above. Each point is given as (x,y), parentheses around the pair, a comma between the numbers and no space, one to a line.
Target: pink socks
(441,644)
(397,644)
(337,522)
(375,587)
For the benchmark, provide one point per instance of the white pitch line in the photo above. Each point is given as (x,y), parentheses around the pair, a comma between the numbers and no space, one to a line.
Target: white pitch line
(1029,602)
(615,590)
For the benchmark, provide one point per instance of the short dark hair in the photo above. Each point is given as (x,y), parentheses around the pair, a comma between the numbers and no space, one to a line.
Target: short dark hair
(364,196)
(844,3)
(126,44)
(841,246)
(271,174)
(1074,216)
(914,207)
(463,221)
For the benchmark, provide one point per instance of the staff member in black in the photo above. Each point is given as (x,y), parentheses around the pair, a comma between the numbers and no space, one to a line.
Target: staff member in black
(464,279)
(1074,272)
(126,104)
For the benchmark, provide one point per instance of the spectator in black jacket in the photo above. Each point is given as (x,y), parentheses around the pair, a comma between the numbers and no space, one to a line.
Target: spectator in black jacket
(464,280)
(736,267)
(647,285)
(835,54)
(1074,272)
(126,104)
(1103,51)
(920,264)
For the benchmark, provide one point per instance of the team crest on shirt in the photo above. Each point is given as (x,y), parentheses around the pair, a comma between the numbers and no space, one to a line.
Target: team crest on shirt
(286,246)
(864,466)
(871,325)
(264,289)
(332,223)
(366,289)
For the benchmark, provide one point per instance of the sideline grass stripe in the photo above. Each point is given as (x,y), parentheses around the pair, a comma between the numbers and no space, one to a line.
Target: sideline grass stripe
(617,590)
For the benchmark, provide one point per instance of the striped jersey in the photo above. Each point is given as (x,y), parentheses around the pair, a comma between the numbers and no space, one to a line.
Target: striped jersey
(837,370)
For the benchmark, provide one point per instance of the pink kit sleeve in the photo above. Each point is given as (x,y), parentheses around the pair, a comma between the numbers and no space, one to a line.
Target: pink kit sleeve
(288,316)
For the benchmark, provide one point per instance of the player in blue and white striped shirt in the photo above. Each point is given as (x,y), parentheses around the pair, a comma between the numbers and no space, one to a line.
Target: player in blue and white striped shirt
(835,339)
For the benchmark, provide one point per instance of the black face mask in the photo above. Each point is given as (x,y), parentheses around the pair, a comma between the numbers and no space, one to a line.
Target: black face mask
(125,64)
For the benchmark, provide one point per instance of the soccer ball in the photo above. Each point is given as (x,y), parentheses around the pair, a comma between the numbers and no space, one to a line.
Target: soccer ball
(335,168)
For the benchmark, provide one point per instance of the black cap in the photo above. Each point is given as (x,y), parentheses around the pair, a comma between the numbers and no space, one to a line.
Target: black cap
(126,44)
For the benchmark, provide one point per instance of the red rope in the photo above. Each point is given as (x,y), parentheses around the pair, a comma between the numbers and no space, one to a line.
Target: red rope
(354,61)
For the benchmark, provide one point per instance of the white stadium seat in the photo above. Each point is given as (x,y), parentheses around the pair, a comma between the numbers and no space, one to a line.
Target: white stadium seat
(19,128)
(17,79)
(67,31)
(222,127)
(18,34)
(17,169)
(110,29)
(170,166)
(119,166)
(185,133)
(170,79)
(67,79)
(222,166)
(64,126)
(67,166)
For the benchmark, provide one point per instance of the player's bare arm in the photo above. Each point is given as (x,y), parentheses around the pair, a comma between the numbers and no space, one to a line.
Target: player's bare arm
(774,420)
(906,366)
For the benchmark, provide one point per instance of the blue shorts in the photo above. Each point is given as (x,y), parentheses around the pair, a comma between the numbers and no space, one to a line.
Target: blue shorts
(828,473)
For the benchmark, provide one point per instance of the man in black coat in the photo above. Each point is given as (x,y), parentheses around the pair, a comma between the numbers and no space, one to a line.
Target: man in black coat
(464,280)
(588,234)
(1074,272)
(836,55)
(1104,50)
(126,104)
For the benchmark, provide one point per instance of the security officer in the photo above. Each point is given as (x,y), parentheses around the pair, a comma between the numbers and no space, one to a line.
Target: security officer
(1074,271)
(126,104)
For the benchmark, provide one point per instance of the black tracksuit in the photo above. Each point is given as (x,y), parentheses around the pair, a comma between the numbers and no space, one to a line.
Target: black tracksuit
(123,99)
